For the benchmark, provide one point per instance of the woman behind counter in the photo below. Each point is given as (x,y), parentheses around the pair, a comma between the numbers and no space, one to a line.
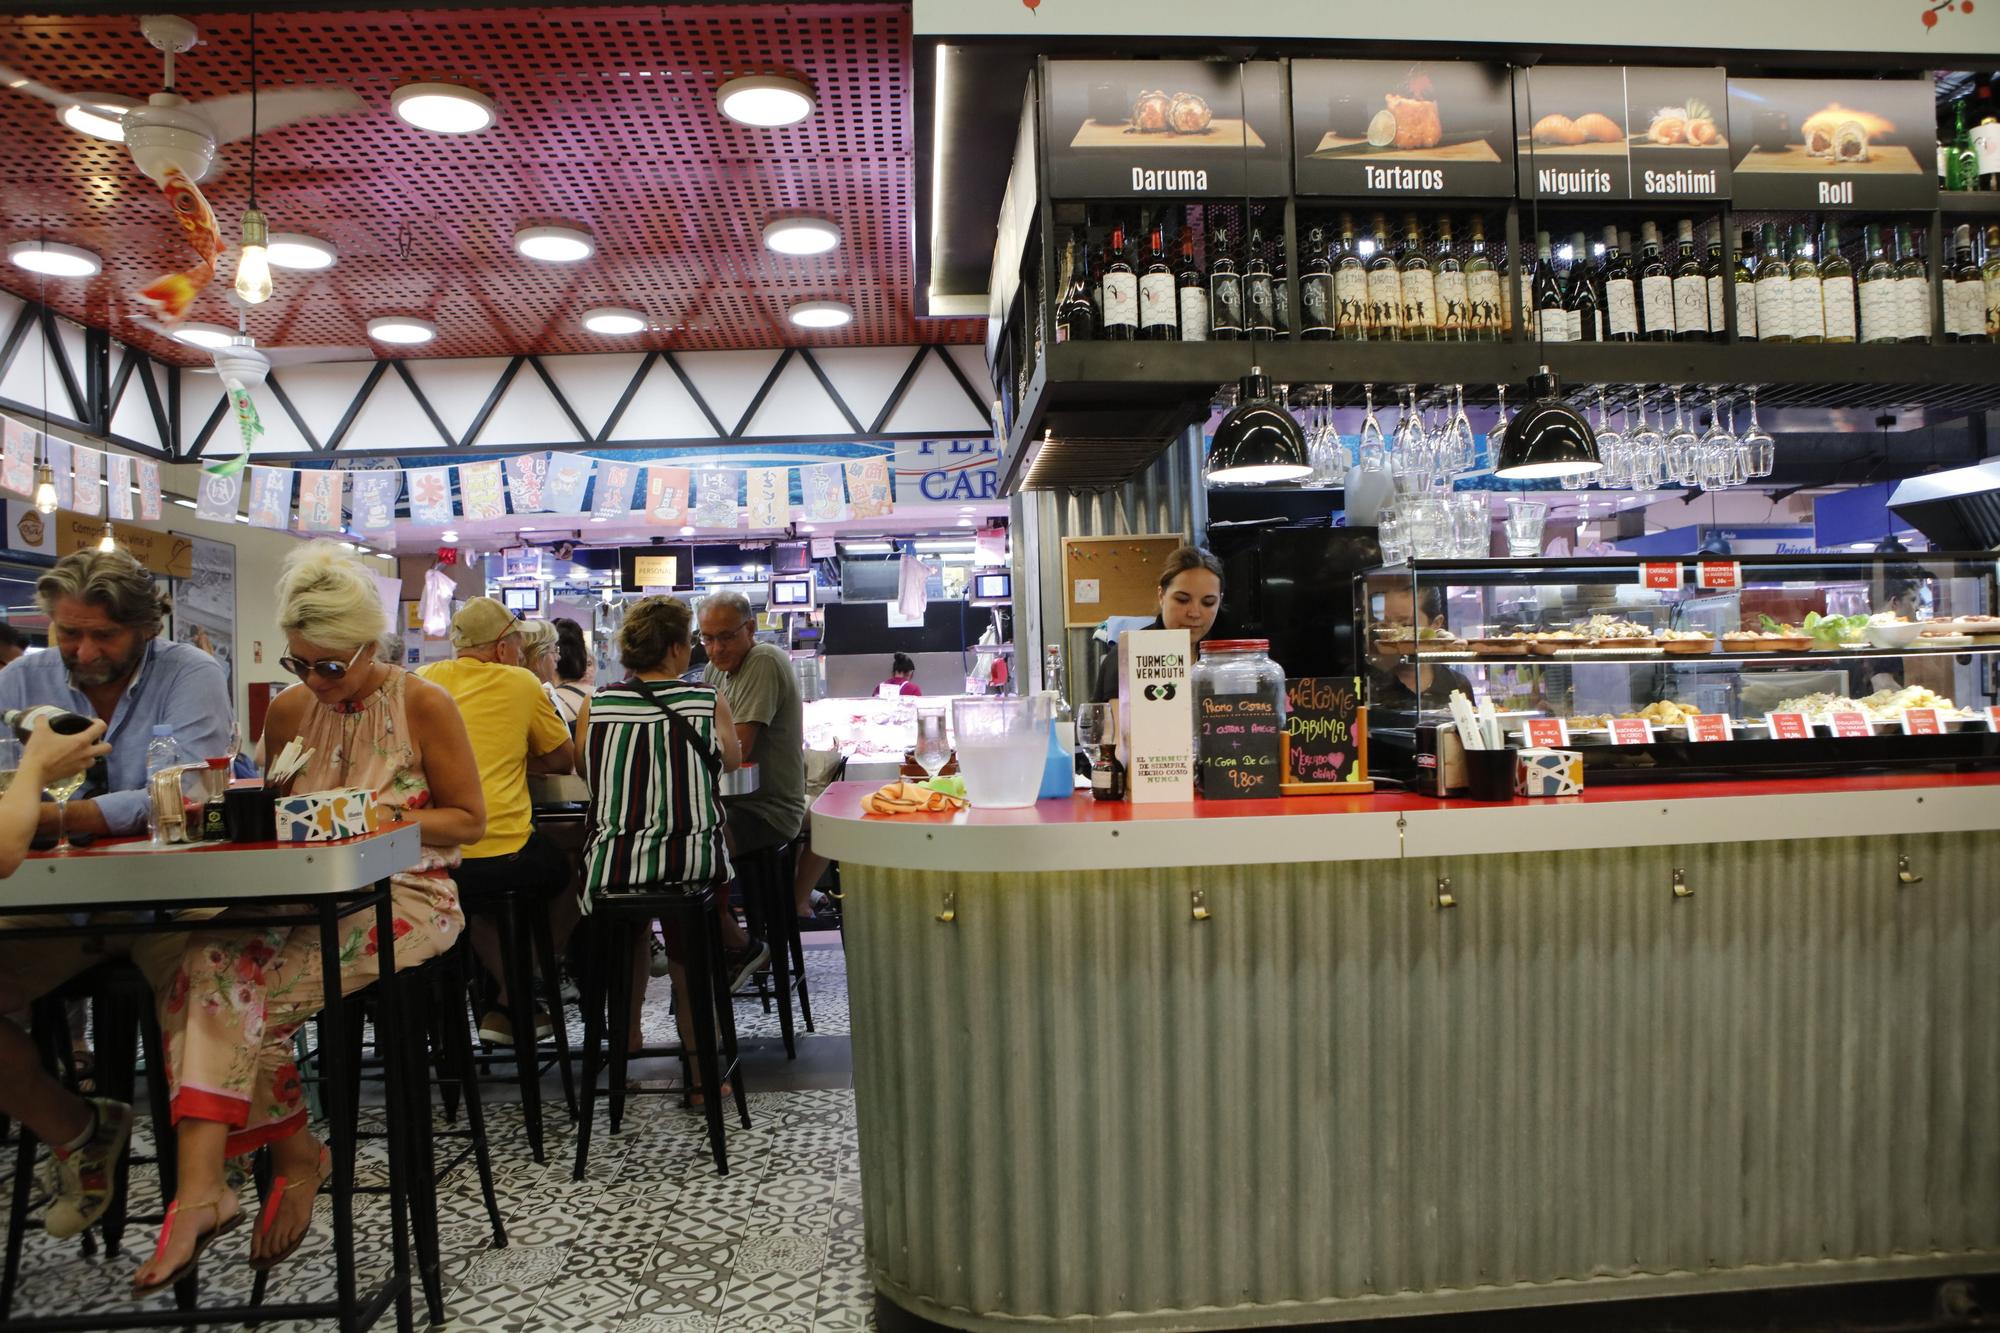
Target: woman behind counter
(1190,598)
(1397,682)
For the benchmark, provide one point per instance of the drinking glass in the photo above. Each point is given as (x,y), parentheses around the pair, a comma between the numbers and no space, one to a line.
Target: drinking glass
(1429,525)
(60,791)
(1524,527)
(1762,449)
(1471,526)
(933,749)
(1097,726)
(1391,535)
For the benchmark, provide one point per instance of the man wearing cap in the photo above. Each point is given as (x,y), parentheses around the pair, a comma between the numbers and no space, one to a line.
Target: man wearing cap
(515,731)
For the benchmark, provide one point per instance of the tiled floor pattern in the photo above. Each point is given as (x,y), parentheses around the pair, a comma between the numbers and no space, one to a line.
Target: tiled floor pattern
(652,1242)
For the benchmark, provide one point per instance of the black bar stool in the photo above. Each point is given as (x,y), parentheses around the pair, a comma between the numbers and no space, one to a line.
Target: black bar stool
(766,877)
(523,919)
(610,932)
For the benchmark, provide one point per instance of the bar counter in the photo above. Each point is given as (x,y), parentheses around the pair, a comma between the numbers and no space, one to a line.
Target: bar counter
(1247,1064)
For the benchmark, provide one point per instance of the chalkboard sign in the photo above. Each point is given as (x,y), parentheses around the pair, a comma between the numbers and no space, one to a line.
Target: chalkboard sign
(1326,743)
(1238,742)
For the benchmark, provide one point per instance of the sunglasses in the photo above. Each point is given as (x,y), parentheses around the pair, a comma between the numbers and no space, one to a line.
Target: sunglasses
(327,668)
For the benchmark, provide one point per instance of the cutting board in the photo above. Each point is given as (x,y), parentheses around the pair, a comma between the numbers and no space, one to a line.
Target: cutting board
(1883,160)
(1222,132)
(1472,150)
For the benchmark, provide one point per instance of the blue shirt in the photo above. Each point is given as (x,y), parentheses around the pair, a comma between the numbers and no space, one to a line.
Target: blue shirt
(176,684)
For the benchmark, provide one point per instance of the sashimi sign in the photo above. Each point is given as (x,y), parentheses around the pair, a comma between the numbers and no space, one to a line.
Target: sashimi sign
(947,471)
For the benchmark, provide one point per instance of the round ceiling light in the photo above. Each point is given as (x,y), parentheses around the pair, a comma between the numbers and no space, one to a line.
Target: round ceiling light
(100,115)
(822,314)
(402,330)
(443,108)
(801,235)
(54,259)
(766,101)
(554,245)
(210,336)
(296,250)
(615,319)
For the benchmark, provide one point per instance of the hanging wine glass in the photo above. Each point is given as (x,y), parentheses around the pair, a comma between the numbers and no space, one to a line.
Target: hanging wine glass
(1465,447)
(1739,453)
(1683,447)
(1718,446)
(1370,485)
(1762,448)
(1611,451)
(1649,446)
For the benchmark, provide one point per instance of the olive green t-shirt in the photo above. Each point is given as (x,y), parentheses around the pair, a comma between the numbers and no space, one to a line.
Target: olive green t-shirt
(763,690)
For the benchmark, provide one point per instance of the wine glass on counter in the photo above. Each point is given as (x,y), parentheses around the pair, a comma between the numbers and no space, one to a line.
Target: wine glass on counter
(60,791)
(933,749)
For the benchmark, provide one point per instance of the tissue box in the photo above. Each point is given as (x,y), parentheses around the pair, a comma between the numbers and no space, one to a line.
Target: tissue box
(322,816)
(1549,773)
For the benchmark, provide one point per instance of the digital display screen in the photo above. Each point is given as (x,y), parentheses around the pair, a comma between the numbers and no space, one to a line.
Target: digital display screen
(521,599)
(791,592)
(790,558)
(993,587)
(641,567)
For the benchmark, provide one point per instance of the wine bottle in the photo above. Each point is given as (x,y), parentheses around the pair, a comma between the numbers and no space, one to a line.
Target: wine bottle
(1419,288)
(1836,283)
(1881,300)
(61,721)
(1656,288)
(1711,272)
(1961,165)
(1965,298)
(1551,320)
(1316,291)
(1744,278)
(1913,281)
(1808,305)
(1774,291)
(1260,308)
(1225,293)
(1621,296)
(1454,319)
(1159,311)
(1583,303)
(1482,288)
(1120,320)
(1193,292)
(1350,286)
(1385,289)
(1076,320)
(1690,289)
(1989,273)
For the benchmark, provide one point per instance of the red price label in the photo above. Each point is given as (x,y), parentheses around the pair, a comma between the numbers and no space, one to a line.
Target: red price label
(1993,717)
(1547,733)
(1851,724)
(1708,727)
(1665,574)
(1922,722)
(1789,726)
(1719,575)
(1631,731)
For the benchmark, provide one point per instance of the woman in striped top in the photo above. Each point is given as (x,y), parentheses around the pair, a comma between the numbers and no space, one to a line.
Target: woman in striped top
(656,811)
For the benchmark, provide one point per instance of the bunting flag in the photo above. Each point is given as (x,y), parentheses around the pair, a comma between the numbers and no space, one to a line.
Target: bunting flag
(614,490)
(149,489)
(768,496)
(562,489)
(17,464)
(58,456)
(869,494)
(821,487)
(119,489)
(374,500)
(319,500)
(88,466)
(216,498)
(430,495)
(666,495)
(525,475)
(270,497)
(479,491)
(715,499)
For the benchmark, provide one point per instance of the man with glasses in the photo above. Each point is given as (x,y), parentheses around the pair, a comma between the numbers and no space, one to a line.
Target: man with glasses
(514,731)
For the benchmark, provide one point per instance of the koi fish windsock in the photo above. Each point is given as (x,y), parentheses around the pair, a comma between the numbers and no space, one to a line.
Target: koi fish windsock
(172,295)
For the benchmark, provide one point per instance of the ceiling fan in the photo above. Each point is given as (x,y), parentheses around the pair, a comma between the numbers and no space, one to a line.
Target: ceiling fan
(244,365)
(168,131)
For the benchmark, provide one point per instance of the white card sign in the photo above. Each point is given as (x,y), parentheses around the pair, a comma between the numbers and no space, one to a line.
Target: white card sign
(1156,698)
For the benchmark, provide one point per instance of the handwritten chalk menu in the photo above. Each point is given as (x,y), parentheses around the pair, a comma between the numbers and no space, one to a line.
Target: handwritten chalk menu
(1322,718)
(1237,746)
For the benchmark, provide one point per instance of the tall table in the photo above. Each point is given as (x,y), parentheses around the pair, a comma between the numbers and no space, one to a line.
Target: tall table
(329,880)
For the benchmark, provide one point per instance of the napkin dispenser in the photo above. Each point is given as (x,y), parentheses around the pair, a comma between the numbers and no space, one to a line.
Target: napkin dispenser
(1549,773)
(1440,760)
(323,816)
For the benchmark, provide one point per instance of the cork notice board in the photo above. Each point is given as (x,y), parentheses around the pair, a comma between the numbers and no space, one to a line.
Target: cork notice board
(1122,574)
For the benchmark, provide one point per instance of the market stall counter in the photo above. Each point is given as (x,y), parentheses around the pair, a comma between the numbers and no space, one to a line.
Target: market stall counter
(1254,1063)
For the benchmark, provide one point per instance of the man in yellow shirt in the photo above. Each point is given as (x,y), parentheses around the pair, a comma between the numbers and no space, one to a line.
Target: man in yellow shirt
(515,731)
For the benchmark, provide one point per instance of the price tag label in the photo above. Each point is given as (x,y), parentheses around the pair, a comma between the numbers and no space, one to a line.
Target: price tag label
(1631,731)
(1993,717)
(1922,722)
(1708,727)
(1850,724)
(1663,574)
(1719,575)
(1789,726)
(1546,733)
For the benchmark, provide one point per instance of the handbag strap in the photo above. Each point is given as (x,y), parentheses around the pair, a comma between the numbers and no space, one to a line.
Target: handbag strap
(682,730)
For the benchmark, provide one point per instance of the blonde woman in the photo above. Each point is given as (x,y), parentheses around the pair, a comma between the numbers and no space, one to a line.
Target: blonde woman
(539,652)
(238,996)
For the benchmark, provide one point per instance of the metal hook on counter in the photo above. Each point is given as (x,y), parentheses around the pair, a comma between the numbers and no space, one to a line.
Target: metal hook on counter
(1444,897)
(1905,875)
(1198,904)
(950,912)
(1682,889)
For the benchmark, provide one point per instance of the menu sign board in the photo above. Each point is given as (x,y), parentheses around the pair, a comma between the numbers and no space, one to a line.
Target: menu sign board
(1168,129)
(1238,746)
(1827,144)
(1679,123)
(1158,723)
(1390,128)
(1323,729)
(1572,132)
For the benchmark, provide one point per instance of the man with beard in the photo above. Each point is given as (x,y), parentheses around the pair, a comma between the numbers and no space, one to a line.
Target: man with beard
(105,616)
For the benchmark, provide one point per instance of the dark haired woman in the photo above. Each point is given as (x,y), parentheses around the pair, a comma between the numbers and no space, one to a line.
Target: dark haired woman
(901,669)
(574,670)
(1190,597)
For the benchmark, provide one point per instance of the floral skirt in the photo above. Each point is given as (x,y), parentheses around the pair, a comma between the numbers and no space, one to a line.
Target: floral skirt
(229,1011)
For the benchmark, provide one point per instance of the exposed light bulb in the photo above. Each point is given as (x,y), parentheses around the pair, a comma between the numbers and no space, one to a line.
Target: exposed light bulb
(108,542)
(253,265)
(45,489)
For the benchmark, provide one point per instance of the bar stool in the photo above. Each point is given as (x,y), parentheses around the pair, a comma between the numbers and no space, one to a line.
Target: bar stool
(611,930)
(525,935)
(766,877)
(127,1025)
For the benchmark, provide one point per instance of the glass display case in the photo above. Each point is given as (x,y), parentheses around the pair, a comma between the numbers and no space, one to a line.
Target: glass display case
(1814,661)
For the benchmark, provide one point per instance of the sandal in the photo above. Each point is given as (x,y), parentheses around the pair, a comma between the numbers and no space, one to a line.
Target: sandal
(275,1200)
(201,1243)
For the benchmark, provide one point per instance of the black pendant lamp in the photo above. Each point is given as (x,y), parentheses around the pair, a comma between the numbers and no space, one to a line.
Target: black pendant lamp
(1549,438)
(1258,443)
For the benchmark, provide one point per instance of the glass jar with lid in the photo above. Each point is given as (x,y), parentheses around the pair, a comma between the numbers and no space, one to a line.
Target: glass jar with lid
(1238,667)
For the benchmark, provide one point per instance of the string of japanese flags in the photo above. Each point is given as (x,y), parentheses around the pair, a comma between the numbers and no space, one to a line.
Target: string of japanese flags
(87,481)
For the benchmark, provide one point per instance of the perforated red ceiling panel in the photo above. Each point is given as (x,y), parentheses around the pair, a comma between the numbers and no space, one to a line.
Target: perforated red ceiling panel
(607,119)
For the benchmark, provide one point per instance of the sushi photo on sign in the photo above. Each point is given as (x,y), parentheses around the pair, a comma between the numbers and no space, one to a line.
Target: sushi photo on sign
(1680,136)
(1389,127)
(1137,128)
(1833,143)
(1572,140)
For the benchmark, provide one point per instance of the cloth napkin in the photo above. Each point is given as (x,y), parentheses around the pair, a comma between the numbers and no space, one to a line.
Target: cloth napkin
(910,798)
